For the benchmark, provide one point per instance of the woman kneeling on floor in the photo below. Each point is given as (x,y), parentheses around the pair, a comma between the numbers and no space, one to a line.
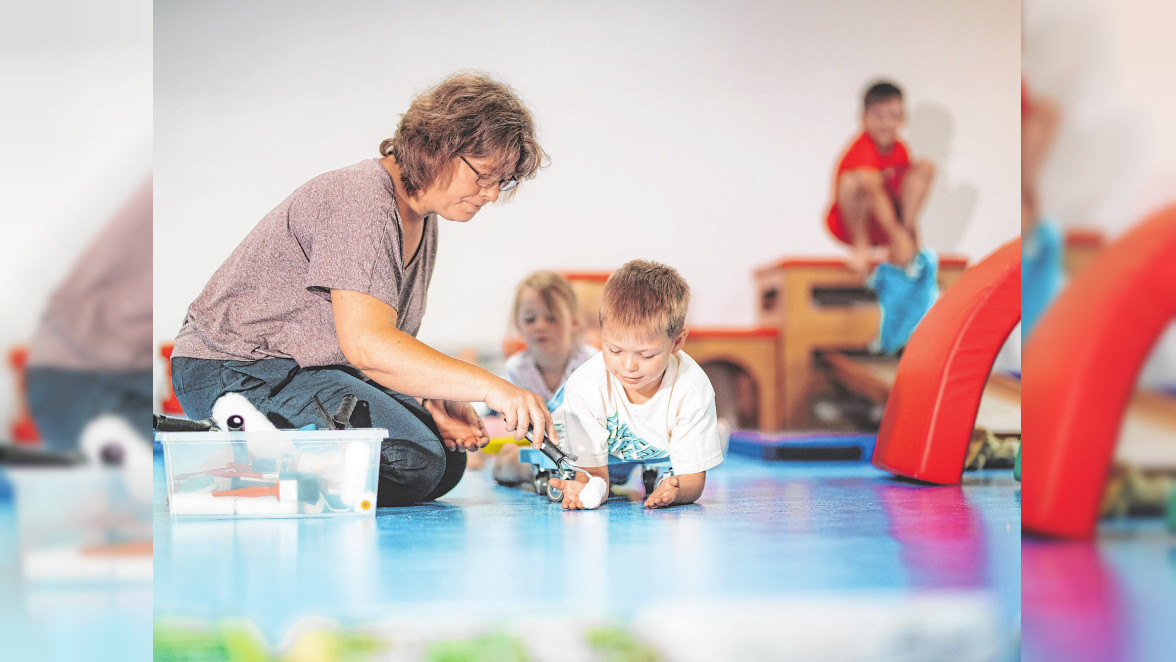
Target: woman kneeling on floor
(325,296)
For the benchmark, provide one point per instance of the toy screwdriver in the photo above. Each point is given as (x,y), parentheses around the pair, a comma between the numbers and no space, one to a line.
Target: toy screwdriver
(554,453)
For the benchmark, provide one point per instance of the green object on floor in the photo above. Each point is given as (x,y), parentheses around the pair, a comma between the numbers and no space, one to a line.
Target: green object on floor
(330,644)
(1017,466)
(493,647)
(1172,509)
(617,645)
(177,643)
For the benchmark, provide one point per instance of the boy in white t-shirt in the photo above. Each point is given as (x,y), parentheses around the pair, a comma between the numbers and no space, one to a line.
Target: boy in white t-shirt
(642,397)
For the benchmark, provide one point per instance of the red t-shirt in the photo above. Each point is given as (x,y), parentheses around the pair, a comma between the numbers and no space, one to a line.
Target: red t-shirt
(863,154)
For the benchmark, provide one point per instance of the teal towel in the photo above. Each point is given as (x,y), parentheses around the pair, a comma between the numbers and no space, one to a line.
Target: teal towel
(1041,272)
(905,296)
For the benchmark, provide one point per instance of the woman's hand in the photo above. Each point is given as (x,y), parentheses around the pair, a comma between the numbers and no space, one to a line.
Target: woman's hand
(459,425)
(522,409)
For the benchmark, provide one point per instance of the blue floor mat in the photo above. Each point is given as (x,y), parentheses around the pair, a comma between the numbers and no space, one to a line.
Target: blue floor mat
(802,447)
(761,531)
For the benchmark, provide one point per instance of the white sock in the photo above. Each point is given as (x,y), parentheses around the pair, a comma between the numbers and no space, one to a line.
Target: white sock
(593,494)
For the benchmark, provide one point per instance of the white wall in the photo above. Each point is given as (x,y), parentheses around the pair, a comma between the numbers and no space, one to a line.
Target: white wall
(701,134)
(1106,64)
(75,141)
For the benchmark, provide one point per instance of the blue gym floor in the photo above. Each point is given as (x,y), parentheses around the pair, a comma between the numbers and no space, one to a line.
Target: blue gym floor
(768,535)
(64,621)
(1112,598)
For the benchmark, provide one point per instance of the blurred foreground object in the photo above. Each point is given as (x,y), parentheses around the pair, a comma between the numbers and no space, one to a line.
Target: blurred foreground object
(931,411)
(23,429)
(1080,370)
(91,354)
(81,526)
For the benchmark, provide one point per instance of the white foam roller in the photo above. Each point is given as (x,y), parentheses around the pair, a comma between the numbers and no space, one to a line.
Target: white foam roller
(202,504)
(109,431)
(235,404)
(593,494)
(327,466)
(287,490)
(366,503)
(267,505)
(72,564)
(355,465)
(264,445)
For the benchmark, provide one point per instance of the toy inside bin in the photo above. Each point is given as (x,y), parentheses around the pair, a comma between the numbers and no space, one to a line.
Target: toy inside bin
(81,525)
(295,473)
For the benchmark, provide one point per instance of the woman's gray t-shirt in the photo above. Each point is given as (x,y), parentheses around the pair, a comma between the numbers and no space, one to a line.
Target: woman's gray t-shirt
(272,297)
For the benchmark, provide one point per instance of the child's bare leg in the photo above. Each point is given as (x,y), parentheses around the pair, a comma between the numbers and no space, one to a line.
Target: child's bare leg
(475,460)
(1038,128)
(916,184)
(867,187)
(854,205)
(507,468)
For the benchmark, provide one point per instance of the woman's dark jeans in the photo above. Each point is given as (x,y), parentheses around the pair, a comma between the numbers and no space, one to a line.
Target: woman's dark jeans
(414,465)
(62,402)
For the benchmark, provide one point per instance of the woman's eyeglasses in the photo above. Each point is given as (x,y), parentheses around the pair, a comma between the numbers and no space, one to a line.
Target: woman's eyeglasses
(486,181)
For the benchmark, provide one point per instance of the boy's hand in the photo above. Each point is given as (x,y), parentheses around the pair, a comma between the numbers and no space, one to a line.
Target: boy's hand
(571,493)
(665,494)
(459,425)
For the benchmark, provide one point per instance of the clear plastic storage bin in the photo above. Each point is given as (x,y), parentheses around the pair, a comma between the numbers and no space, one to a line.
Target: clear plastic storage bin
(82,524)
(323,473)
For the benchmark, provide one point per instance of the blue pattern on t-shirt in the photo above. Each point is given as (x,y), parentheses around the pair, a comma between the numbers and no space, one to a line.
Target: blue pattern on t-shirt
(624,444)
(557,399)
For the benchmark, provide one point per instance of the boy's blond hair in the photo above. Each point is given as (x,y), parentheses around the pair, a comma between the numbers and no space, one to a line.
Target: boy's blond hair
(552,288)
(646,295)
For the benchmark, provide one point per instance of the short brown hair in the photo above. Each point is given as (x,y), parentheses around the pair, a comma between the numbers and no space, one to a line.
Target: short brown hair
(879,91)
(644,294)
(466,114)
(552,288)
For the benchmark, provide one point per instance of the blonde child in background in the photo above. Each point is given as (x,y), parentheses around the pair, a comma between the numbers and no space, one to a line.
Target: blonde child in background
(544,314)
(641,397)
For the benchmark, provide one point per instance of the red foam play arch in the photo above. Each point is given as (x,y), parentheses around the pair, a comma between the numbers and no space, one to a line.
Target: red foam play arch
(1080,368)
(941,376)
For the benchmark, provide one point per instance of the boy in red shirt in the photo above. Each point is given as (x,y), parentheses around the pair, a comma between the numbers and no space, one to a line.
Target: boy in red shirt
(1042,243)
(878,190)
